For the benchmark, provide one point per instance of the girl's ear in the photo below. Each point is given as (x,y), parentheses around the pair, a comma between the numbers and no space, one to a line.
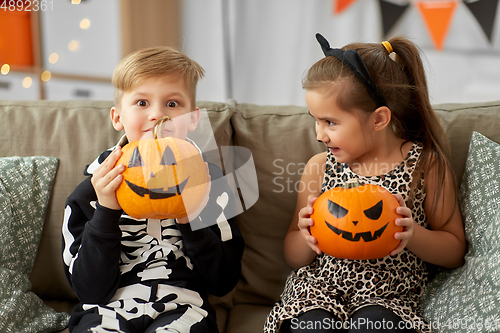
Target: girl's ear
(115,119)
(194,119)
(381,118)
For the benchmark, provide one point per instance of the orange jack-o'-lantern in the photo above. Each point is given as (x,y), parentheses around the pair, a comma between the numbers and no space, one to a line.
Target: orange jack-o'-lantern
(164,178)
(356,221)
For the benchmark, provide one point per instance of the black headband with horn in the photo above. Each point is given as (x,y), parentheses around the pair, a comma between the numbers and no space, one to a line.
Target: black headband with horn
(353,60)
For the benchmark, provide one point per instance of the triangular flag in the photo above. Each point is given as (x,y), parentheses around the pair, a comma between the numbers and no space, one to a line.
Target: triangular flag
(340,5)
(15,38)
(437,15)
(391,12)
(485,12)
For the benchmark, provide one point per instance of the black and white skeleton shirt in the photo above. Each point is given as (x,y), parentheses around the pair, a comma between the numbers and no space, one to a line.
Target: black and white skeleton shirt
(114,261)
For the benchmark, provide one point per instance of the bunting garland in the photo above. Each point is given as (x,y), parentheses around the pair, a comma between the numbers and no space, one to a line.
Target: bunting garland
(340,5)
(391,12)
(437,15)
(484,11)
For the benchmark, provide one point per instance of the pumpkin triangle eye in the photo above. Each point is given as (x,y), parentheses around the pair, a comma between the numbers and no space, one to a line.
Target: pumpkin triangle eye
(135,159)
(374,212)
(336,210)
(168,157)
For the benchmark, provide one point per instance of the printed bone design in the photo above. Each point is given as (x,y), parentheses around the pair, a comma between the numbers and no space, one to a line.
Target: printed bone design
(372,213)
(168,159)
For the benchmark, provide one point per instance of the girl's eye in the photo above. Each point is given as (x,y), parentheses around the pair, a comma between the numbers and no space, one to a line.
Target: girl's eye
(142,103)
(172,104)
(330,123)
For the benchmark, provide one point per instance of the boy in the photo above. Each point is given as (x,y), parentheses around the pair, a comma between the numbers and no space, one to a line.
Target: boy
(147,275)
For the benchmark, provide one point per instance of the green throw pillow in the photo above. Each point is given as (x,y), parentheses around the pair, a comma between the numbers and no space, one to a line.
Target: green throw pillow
(25,185)
(467,299)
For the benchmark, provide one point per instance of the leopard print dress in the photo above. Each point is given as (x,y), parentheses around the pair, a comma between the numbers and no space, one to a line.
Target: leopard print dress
(343,286)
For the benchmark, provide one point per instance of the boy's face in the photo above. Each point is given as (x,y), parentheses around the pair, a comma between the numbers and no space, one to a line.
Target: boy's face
(152,99)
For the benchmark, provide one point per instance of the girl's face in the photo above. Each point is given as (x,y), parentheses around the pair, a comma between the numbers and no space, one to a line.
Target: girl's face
(345,133)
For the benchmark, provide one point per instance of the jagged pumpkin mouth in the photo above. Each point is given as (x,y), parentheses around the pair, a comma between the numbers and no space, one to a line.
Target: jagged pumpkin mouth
(367,236)
(158,193)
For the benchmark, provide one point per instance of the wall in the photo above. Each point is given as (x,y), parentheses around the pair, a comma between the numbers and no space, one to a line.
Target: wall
(78,43)
(254,51)
(271,44)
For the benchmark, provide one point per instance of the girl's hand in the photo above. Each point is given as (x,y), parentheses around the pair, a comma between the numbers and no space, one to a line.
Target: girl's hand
(107,178)
(406,222)
(305,222)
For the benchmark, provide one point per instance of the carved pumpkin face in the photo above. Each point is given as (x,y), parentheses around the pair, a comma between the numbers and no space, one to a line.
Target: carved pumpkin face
(356,223)
(164,178)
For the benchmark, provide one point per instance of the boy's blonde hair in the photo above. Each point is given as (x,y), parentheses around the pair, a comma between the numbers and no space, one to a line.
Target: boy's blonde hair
(155,62)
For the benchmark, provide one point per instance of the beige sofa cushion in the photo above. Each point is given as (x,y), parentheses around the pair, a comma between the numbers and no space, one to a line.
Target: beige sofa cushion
(281,139)
(286,140)
(220,121)
(74,132)
(459,120)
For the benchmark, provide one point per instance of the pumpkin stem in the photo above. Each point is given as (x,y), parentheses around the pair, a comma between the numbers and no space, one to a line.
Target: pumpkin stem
(351,183)
(157,124)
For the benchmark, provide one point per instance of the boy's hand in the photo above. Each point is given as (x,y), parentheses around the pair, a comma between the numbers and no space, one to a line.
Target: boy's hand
(408,225)
(193,215)
(305,222)
(106,180)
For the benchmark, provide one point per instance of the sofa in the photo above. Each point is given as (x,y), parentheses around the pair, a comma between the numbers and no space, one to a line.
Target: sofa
(281,139)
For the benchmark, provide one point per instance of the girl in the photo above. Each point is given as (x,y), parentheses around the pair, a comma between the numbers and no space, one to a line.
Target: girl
(372,111)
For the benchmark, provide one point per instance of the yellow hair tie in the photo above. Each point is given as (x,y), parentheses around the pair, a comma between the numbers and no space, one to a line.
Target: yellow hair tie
(388,47)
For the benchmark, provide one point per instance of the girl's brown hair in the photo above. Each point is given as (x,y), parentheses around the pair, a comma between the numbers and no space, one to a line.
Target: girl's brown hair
(403,84)
(155,62)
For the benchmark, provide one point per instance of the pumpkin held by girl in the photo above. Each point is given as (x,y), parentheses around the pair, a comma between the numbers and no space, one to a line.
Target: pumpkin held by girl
(356,221)
(164,177)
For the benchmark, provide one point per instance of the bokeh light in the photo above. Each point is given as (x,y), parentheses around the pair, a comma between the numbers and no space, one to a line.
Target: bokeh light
(27,82)
(53,58)
(85,23)
(46,75)
(73,45)
(5,69)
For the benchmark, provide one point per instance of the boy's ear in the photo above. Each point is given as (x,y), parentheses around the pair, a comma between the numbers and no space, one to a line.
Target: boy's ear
(381,118)
(115,119)
(195,118)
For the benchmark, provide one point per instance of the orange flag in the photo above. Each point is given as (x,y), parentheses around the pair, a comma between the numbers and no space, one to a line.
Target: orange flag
(437,16)
(15,38)
(340,5)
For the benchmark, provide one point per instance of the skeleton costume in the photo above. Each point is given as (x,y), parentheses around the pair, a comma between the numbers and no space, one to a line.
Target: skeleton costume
(147,275)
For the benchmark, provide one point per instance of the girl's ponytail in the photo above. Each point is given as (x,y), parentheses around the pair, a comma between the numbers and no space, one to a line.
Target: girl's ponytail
(418,121)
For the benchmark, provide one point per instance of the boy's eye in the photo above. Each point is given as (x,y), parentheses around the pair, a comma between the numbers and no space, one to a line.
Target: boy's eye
(142,103)
(172,104)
